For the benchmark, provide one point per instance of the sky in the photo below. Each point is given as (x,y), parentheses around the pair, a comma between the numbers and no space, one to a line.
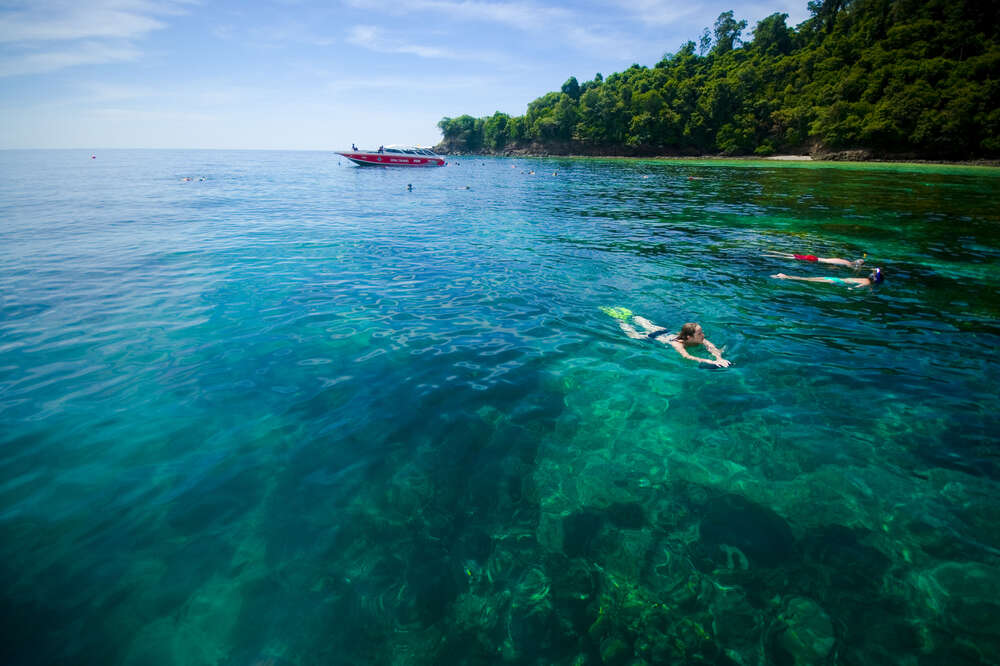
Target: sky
(312,74)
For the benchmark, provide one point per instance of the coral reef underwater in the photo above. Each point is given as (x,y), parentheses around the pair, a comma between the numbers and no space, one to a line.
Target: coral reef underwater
(601,539)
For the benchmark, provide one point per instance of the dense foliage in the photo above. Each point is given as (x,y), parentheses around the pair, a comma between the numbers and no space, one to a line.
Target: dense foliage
(891,76)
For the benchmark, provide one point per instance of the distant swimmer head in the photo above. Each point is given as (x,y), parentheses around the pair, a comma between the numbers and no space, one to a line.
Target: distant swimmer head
(876,277)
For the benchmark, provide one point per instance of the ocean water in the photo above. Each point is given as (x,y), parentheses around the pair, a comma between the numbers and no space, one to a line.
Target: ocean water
(291,412)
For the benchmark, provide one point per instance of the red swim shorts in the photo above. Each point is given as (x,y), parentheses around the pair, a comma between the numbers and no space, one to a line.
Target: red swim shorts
(806,257)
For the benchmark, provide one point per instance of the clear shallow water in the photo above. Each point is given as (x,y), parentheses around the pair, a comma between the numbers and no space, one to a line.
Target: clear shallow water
(296,412)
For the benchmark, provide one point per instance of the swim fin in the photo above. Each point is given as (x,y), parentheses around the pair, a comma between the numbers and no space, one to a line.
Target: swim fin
(617,312)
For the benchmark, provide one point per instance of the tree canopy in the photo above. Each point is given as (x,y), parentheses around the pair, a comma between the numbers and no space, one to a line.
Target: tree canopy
(918,77)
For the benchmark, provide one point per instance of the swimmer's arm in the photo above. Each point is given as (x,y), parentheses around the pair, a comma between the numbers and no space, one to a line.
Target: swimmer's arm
(684,352)
(714,351)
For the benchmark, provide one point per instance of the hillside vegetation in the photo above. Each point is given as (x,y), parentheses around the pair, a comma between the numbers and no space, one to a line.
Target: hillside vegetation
(878,77)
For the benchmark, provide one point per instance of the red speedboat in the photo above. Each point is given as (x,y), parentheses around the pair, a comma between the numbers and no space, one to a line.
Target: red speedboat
(397,156)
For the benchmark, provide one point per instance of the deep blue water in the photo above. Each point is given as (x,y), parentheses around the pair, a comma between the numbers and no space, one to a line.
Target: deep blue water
(291,411)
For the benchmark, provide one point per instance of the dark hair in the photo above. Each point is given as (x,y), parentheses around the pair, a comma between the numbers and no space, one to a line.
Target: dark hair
(687,330)
(876,277)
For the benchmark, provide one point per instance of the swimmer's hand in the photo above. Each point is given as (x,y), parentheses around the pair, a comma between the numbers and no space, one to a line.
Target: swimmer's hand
(717,362)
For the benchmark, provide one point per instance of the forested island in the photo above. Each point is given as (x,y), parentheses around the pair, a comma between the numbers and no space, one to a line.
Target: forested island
(859,79)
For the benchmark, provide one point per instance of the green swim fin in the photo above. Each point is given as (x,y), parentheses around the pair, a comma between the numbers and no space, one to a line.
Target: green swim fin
(617,313)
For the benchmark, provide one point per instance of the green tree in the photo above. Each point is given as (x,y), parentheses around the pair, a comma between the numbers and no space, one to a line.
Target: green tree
(772,37)
(897,76)
(571,88)
(496,133)
(727,33)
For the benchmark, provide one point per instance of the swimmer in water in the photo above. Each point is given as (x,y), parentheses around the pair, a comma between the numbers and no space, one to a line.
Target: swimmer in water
(874,278)
(836,261)
(690,335)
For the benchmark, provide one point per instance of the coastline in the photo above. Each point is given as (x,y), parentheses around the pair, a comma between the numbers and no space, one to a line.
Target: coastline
(803,153)
(788,158)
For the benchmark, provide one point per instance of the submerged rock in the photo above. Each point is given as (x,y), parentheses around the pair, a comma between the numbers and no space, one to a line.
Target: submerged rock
(615,651)
(579,532)
(965,597)
(803,634)
(738,534)
(627,515)
(839,555)
(966,594)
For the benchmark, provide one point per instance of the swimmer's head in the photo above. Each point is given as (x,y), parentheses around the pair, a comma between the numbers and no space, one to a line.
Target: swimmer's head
(691,332)
(876,277)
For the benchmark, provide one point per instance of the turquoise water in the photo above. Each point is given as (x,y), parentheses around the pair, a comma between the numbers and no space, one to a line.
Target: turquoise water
(290,412)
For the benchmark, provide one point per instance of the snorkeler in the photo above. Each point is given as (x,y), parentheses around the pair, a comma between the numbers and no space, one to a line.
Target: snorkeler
(875,277)
(836,261)
(690,335)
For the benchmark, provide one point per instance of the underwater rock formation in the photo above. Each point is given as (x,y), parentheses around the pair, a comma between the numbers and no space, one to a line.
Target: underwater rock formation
(731,523)
(803,634)
(965,600)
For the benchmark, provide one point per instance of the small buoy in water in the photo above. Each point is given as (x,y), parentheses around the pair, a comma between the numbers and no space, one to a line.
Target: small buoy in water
(409,186)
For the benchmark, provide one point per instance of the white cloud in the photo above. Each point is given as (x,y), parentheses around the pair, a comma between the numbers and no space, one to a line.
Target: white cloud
(559,25)
(62,20)
(609,43)
(49,61)
(278,33)
(374,39)
(46,35)
(682,14)
(522,15)
(431,84)
(660,12)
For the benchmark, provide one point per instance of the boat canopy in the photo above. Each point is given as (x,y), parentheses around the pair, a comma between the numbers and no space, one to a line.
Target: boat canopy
(410,150)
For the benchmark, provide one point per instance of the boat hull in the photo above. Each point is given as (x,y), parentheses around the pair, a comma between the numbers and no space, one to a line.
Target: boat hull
(393,160)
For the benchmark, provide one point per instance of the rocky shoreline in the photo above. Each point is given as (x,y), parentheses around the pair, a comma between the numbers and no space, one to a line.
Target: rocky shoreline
(815,154)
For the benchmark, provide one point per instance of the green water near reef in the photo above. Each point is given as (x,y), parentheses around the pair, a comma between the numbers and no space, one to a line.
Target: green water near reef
(291,411)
